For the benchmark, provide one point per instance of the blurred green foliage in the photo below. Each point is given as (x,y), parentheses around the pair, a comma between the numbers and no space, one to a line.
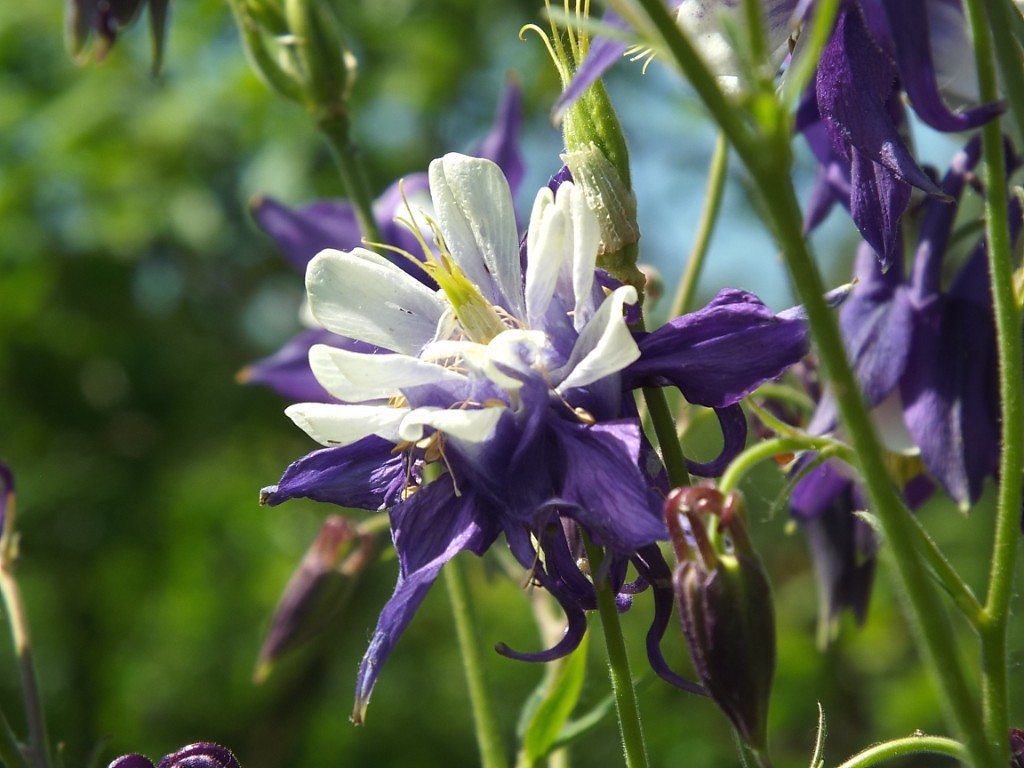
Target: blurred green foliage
(133,286)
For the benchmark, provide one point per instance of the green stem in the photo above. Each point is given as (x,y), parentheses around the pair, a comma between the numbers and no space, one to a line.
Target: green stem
(626,707)
(335,128)
(492,750)
(912,745)
(1008,57)
(768,449)
(934,632)
(668,439)
(39,745)
(994,627)
(713,204)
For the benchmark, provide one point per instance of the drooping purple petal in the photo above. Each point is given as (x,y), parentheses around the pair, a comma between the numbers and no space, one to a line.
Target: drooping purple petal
(909,27)
(949,390)
(877,202)
(301,233)
(364,475)
(721,353)
(652,566)
(733,422)
(856,88)
(842,547)
(429,529)
(603,483)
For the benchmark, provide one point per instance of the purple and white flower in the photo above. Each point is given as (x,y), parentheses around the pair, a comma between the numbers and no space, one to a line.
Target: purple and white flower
(513,382)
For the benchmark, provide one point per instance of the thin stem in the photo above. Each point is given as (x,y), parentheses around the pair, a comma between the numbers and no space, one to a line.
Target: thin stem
(630,728)
(912,745)
(668,439)
(769,449)
(713,204)
(488,737)
(10,752)
(39,745)
(994,628)
(335,128)
(1008,57)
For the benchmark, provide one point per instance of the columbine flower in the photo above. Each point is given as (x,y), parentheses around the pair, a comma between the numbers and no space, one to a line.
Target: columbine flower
(853,115)
(929,351)
(303,232)
(514,388)
(200,755)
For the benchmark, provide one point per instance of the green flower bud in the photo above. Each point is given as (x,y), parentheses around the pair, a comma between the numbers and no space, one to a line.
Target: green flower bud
(725,604)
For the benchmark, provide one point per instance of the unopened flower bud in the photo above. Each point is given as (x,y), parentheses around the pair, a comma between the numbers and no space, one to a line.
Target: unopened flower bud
(329,69)
(200,755)
(318,589)
(725,605)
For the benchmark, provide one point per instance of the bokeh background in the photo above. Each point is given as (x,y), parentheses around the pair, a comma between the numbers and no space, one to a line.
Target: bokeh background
(133,286)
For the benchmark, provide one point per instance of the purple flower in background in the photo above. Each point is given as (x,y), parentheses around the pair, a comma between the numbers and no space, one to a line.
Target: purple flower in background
(929,351)
(106,18)
(303,232)
(200,755)
(6,494)
(853,115)
(515,389)
(706,23)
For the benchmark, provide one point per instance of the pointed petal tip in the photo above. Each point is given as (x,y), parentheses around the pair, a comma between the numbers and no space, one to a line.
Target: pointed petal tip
(267,496)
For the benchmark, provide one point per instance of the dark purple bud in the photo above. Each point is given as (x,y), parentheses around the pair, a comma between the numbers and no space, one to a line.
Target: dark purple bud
(318,590)
(1016,748)
(725,605)
(203,754)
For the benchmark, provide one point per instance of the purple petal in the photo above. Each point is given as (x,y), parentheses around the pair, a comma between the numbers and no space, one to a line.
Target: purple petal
(6,493)
(287,371)
(301,233)
(501,145)
(364,475)
(604,52)
(877,202)
(908,24)
(652,566)
(429,529)
(734,438)
(950,388)
(856,88)
(842,547)
(721,353)
(603,482)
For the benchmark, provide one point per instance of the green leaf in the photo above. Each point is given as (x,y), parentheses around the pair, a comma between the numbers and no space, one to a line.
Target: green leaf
(557,703)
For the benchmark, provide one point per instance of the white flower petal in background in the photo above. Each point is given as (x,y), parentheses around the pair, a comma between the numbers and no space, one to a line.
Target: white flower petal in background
(335,424)
(364,296)
(605,346)
(356,377)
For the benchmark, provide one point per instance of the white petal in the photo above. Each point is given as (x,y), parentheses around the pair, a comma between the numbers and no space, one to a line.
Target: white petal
(364,296)
(355,377)
(335,424)
(545,250)
(469,425)
(605,346)
(586,241)
(474,210)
